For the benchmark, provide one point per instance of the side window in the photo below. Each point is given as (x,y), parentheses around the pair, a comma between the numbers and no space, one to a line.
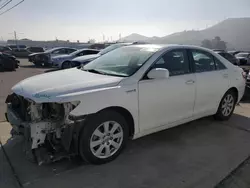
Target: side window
(69,51)
(91,52)
(175,61)
(219,65)
(57,51)
(82,53)
(203,61)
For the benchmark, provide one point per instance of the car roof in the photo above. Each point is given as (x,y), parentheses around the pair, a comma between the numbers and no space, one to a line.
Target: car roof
(244,53)
(167,46)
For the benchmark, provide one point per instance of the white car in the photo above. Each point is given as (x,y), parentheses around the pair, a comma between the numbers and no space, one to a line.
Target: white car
(127,93)
(64,61)
(83,60)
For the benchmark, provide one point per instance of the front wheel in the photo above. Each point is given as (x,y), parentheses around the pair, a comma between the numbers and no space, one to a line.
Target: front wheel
(103,137)
(226,106)
(66,65)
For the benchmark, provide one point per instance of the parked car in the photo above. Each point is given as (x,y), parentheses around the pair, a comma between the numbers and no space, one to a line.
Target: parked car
(243,58)
(234,52)
(83,60)
(44,58)
(5,49)
(64,61)
(8,62)
(229,57)
(16,46)
(127,93)
(35,49)
(25,52)
(218,50)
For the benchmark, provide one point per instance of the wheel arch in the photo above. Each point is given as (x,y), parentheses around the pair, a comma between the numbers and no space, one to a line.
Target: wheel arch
(126,114)
(235,90)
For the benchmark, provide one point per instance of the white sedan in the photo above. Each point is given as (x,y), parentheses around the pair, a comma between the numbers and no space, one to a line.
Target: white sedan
(64,61)
(127,93)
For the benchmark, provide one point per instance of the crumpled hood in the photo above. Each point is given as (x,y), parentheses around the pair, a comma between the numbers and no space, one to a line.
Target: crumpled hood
(84,58)
(54,86)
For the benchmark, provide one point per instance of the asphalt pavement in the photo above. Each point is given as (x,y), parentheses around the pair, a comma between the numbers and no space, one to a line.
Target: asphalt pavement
(199,154)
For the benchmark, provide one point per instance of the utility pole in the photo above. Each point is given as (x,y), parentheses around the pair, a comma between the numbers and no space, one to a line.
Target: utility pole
(15,38)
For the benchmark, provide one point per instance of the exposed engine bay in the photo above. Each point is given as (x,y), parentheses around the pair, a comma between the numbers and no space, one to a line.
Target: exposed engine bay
(46,128)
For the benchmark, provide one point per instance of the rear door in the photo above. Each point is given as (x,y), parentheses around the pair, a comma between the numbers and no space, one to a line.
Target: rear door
(211,81)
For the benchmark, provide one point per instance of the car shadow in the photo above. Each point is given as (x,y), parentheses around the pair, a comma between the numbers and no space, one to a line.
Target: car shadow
(52,70)
(171,158)
(33,66)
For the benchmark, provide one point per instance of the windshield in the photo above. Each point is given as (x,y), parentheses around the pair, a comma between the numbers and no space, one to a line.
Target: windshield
(112,47)
(122,61)
(242,55)
(76,52)
(51,50)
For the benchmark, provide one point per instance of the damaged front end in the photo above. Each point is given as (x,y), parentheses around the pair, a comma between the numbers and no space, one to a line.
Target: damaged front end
(46,128)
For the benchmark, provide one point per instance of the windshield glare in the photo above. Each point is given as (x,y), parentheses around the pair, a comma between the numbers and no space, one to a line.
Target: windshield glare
(123,61)
(110,48)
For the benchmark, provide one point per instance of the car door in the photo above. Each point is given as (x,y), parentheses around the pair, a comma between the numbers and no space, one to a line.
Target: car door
(163,101)
(211,81)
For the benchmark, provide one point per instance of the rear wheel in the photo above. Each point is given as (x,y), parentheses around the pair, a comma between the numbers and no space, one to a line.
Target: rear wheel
(66,65)
(103,137)
(226,106)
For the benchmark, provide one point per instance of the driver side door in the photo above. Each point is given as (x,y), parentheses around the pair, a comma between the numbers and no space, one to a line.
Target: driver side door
(164,101)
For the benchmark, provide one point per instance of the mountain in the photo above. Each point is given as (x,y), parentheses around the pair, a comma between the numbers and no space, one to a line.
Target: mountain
(234,31)
(135,37)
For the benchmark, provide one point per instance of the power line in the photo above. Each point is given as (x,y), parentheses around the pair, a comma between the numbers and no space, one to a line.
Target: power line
(5,4)
(11,7)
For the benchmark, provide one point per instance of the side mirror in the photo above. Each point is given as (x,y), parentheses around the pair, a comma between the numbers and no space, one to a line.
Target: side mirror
(158,73)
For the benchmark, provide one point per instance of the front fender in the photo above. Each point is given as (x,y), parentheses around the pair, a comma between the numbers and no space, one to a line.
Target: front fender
(94,101)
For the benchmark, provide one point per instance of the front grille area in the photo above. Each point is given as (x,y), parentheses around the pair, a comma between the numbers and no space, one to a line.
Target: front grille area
(20,105)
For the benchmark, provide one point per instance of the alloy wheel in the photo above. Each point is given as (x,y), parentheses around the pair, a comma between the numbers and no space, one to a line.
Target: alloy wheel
(227,105)
(106,139)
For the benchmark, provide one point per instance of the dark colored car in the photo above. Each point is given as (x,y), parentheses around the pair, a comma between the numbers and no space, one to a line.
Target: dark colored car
(44,58)
(218,50)
(8,62)
(5,49)
(234,52)
(229,57)
(25,52)
(16,46)
(35,49)
(243,58)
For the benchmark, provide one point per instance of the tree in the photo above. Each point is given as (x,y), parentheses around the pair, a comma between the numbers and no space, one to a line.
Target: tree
(215,43)
(206,44)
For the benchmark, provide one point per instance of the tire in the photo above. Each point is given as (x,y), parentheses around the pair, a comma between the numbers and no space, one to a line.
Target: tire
(1,67)
(227,106)
(66,65)
(95,126)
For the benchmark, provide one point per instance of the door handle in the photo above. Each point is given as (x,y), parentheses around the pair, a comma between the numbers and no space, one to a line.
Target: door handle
(190,82)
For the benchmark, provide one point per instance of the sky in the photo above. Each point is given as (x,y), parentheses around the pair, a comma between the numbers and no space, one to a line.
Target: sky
(91,19)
